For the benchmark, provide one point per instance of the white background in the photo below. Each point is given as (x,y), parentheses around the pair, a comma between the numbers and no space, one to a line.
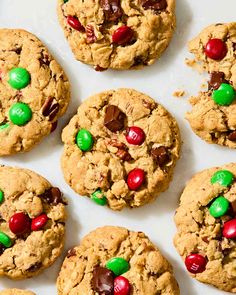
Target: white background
(159,81)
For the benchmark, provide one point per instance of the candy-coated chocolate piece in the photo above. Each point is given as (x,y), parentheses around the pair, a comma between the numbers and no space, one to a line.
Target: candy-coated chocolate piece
(135,135)
(216,49)
(20,113)
(19,78)
(1,196)
(229,229)
(224,95)
(4,126)
(75,23)
(223,177)
(122,35)
(39,222)
(5,240)
(135,179)
(99,198)
(84,140)
(121,286)
(219,207)
(195,263)
(118,265)
(19,223)
(103,281)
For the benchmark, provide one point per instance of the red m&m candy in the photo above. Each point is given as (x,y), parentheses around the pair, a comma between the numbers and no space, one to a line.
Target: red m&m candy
(39,222)
(19,223)
(229,229)
(121,286)
(135,179)
(135,135)
(122,35)
(195,263)
(216,49)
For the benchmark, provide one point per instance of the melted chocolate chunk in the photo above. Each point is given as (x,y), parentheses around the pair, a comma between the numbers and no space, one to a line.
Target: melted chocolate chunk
(50,108)
(160,155)
(71,253)
(232,136)
(216,79)
(2,249)
(114,118)
(35,267)
(53,196)
(112,9)
(103,281)
(155,5)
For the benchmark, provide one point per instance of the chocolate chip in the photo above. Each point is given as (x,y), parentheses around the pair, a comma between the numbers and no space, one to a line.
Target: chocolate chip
(216,79)
(50,108)
(112,9)
(114,118)
(138,61)
(18,50)
(160,155)
(205,239)
(234,46)
(155,5)
(34,267)
(2,249)
(103,281)
(232,136)
(53,196)
(89,30)
(53,126)
(71,252)
(233,207)
(99,69)
(44,60)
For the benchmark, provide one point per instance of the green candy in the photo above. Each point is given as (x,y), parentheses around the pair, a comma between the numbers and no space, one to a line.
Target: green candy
(224,95)
(99,198)
(5,240)
(118,265)
(84,140)
(4,126)
(219,207)
(1,196)
(19,78)
(65,1)
(20,113)
(223,177)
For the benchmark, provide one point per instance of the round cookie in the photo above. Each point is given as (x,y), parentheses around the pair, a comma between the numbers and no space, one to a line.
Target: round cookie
(117,34)
(213,113)
(111,255)
(32,225)
(120,149)
(206,227)
(34,91)
(16,292)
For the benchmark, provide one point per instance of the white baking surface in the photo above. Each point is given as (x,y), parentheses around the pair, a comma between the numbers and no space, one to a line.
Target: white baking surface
(159,81)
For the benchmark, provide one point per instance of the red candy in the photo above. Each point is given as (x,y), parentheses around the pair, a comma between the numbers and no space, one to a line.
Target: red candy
(229,229)
(122,35)
(121,286)
(19,223)
(75,23)
(195,263)
(135,179)
(39,222)
(216,49)
(135,135)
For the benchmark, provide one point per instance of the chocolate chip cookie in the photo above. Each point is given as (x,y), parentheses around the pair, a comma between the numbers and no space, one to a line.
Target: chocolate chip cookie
(113,260)
(16,292)
(32,224)
(120,149)
(206,224)
(117,34)
(213,114)
(34,91)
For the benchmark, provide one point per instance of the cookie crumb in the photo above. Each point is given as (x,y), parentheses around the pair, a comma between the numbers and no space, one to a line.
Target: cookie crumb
(194,64)
(179,93)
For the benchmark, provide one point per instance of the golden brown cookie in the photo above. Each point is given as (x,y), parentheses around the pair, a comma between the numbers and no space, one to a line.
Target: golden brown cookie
(117,34)
(34,91)
(32,225)
(120,149)
(16,292)
(114,258)
(206,227)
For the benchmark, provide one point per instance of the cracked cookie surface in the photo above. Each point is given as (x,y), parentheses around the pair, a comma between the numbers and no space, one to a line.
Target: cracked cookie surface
(199,232)
(32,224)
(149,151)
(46,94)
(117,34)
(16,292)
(149,272)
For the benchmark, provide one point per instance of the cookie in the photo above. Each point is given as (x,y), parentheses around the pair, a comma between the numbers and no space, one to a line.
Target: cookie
(16,292)
(206,227)
(113,260)
(32,225)
(120,149)
(117,34)
(34,91)
(213,113)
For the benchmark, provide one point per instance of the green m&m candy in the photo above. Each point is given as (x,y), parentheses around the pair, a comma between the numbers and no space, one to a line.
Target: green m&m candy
(5,240)
(84,140)
(20,113)
(219,207)
(224,95)
(99,198)
(19,78)
(1,196)
(223,177)
(118,265)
